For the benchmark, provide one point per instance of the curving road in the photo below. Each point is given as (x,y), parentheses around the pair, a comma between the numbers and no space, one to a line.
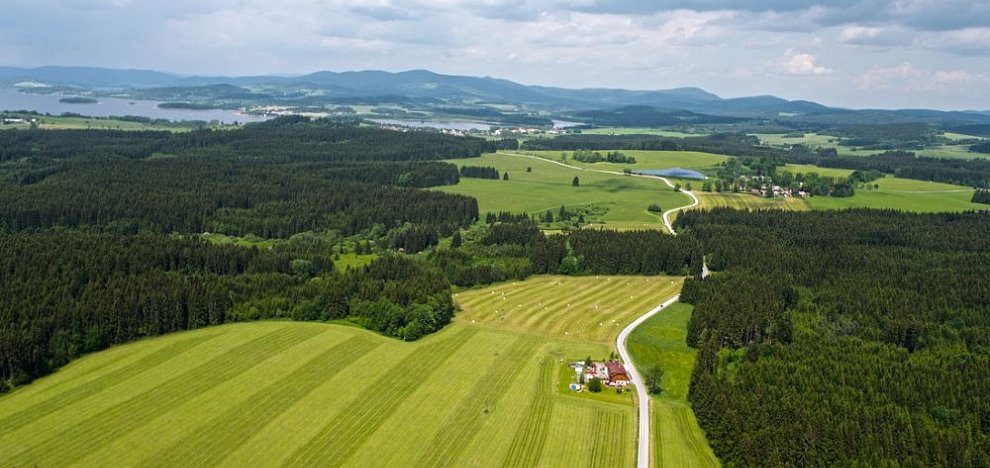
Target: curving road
(643,444)
(666,214)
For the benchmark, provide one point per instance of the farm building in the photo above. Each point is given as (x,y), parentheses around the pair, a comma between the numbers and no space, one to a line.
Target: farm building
(617,374)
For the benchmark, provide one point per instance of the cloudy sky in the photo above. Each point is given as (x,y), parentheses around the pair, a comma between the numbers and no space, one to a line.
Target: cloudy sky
(851,53)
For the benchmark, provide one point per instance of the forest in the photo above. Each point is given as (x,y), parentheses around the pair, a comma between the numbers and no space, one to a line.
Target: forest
(101,233)
(857,337)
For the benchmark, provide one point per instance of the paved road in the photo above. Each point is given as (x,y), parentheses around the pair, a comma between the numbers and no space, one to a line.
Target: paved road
(643,444)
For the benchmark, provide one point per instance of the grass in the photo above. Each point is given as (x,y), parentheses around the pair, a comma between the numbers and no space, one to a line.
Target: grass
(275,393)
(586,308)
(904,194)
(705,163)
(677,438)
(548,187)
(745,201)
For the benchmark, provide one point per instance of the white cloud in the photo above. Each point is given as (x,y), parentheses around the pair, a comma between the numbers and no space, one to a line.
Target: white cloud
(908,78)
(798,63)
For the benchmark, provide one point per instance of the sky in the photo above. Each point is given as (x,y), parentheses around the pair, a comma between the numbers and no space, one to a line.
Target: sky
(848,53)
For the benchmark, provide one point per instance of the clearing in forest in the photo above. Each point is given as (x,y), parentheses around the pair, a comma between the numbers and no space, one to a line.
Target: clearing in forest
(589,308)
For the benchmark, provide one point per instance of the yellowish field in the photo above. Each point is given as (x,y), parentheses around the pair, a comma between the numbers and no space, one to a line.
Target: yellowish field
(310,394)
(588,308)
(746,201)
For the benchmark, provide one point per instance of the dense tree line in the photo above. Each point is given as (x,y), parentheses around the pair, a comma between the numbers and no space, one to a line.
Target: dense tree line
(981,196)
(886,136)
(237,198)
(980,148)
(859,337)
(480,172)
(586,156)
(281,143)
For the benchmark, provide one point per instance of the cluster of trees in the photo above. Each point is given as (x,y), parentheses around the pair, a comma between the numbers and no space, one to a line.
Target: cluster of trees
(206,195)
(603,252)
(980,147)
(479,172)
(981,196)
(853,337)
(886,136)
(587,156)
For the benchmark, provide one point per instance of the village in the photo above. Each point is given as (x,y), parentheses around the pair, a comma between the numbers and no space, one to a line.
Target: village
(593,375)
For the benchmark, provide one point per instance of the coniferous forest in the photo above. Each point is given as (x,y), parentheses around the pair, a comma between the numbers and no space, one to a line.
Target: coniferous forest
(100,232)
(842,338)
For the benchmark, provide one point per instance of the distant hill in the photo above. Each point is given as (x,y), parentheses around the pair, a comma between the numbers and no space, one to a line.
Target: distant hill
(431,89)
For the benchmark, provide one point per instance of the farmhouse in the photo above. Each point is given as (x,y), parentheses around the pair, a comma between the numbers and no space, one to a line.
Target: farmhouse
(611,373)
(617,376)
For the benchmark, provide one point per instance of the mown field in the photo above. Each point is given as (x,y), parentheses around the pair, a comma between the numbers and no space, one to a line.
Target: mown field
(677,438)
(309,394)
(744,201)
(548,187)
(587,308)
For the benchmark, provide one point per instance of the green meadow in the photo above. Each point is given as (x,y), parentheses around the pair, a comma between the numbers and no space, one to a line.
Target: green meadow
(904,194)
(677,438)
(549,185)
(311,394)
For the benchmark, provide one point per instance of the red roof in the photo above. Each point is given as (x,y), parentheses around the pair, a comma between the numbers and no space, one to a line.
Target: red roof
(614,368)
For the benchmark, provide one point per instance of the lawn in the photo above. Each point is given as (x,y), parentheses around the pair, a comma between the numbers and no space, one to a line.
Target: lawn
(290,393)
(677,438)
(548,186)
(586,308)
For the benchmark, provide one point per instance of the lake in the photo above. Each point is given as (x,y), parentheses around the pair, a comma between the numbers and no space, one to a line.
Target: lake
(13,100)
(676,172)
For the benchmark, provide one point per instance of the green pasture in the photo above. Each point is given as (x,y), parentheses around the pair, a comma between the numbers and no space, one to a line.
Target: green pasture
(904,194)
(706,163)
(310,394)
(677,438)
(549,186)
